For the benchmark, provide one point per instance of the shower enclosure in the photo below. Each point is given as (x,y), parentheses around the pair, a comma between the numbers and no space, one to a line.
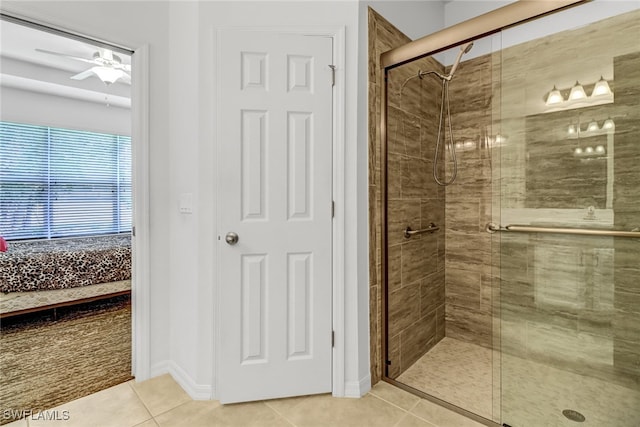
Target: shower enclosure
(511,288)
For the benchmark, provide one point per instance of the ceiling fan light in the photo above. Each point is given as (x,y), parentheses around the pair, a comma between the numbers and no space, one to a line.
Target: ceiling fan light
(107,74)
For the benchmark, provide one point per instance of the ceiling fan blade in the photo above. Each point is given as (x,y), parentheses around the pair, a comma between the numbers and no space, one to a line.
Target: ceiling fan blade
(123,67)
(77,58)
(83,75)
(126,78)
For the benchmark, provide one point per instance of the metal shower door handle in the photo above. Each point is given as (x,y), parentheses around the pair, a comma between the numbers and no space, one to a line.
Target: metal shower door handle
(231,238)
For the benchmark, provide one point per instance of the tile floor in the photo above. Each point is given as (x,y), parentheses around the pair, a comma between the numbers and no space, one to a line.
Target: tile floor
(162,402)
(530,393)
(458,372)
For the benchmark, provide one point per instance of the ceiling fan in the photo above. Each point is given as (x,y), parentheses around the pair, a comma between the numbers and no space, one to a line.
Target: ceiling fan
(108,67)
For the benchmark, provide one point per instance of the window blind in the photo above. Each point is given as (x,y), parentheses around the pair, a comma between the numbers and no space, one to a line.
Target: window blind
(60,182)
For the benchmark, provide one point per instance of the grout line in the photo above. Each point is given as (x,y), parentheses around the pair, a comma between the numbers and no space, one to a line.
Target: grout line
(135,392)
(405,415)
(386,401)
(279,413)
(175,407)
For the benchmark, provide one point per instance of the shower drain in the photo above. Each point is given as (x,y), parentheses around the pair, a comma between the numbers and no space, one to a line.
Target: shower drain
(573,415)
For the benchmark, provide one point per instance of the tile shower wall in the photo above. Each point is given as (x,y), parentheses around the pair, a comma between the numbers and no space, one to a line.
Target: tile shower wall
(382,37)
(416,265)
(468,206)
(626,203)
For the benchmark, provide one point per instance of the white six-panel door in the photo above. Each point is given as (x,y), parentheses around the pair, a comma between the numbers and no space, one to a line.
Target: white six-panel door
(275,172)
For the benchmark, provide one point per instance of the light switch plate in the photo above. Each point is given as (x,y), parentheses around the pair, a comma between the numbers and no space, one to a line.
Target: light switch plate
(186,203)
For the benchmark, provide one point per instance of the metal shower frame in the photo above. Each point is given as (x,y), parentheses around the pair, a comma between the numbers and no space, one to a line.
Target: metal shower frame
(489,23)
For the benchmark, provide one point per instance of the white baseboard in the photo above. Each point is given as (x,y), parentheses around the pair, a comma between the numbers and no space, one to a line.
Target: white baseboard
(357,388)
(158,369)
(194,390)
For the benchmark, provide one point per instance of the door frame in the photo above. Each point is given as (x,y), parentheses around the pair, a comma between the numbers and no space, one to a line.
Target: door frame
(337,33)
(140,183)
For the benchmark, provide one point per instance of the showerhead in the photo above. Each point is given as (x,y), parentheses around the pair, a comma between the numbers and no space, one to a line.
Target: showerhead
(465,48)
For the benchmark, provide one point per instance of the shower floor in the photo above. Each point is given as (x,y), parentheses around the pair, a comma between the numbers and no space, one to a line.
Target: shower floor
(457,372)
(535,394)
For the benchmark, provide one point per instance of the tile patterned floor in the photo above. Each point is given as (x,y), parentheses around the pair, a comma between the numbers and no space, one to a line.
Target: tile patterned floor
(161,402)
(457,372)
(533,394)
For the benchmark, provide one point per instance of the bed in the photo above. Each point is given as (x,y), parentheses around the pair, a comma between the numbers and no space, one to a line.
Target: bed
(37,275)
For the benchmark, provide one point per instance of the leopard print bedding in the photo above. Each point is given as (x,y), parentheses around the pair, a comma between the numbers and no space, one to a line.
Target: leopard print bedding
(65,263)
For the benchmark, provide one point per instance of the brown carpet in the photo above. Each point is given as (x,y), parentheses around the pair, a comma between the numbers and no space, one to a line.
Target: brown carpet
(53,357)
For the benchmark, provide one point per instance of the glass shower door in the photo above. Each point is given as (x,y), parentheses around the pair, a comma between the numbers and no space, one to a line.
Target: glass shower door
(569,303)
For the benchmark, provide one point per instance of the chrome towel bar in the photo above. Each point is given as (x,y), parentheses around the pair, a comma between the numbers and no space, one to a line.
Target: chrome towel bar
(408,232)
(492,228)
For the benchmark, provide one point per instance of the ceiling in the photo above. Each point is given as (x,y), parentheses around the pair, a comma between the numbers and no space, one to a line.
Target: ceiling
(23,67)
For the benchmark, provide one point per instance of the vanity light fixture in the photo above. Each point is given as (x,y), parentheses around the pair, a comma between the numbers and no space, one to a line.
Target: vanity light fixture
(601,88)
(576,96)
(608,124)
(555,97)
(575,130)
(577,92)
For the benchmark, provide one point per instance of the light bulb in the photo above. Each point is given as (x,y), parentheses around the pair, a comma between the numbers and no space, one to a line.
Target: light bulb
(555,97)
(588,150)
(608,124)
(600,149)
(572,130)
(577,92)
(601,88)
(593,126)
(577,151)
(107,74)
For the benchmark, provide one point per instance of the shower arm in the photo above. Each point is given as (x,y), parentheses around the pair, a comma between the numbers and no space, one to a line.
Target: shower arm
(421,75)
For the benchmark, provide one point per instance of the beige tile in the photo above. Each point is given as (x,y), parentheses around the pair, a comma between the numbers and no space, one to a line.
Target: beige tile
(195,413)
(395,395)
(324,410)
(211,413)
(432,292)
(417,339)
(285,405)
(456,372)
(404,308)
(412,421)
(160,394)
(148,423)
(17,423)
(117,406)
(440,416)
